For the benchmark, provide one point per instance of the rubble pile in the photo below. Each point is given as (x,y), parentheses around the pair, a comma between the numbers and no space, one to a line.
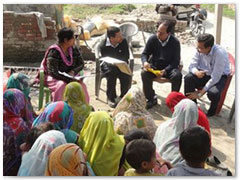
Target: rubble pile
(185,37)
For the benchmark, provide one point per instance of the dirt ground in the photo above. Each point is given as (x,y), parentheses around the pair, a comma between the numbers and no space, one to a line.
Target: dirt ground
(222,132)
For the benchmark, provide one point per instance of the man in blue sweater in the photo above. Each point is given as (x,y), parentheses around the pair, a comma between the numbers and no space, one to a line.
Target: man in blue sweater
(162,52)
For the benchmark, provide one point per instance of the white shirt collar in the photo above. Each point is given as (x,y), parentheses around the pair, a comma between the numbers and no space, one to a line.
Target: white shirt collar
(108,43)
(165,42)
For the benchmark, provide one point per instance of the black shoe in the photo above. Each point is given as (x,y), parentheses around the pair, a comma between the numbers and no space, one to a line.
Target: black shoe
(112,104)
(210,114)
(150,104)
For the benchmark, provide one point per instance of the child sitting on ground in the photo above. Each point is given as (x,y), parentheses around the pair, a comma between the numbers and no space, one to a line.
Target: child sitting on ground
(141,155)
(195,148)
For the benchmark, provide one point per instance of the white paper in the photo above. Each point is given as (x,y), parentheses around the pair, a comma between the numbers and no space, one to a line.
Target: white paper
(122,65)
(74,77)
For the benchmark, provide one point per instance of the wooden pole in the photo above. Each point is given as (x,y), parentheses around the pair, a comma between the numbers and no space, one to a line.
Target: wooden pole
(218,22)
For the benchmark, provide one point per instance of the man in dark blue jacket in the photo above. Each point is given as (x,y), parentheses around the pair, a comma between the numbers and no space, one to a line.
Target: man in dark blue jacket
(115,46)
(162,52)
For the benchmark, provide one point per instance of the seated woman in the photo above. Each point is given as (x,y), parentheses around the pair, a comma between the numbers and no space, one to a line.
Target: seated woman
(175,97)
(62,57)
(11,153)
(61,115)
(103,146)
(185,116)
(14,114)
(67,160)
(75,97)
(34,161)
(21,81)
(130,113)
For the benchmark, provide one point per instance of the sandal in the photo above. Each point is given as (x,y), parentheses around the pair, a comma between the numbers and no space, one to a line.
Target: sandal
(223,172)
(215,162)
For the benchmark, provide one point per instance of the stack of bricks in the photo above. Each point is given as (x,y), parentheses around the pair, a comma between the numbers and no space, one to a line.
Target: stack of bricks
(22,39)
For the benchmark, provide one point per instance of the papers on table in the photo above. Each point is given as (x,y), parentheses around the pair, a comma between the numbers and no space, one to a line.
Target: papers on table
(123,66)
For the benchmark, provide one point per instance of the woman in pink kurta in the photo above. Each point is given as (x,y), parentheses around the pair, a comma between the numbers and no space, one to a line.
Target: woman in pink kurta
(60,58)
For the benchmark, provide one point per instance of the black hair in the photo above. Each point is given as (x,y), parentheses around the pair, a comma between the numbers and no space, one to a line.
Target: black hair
(169,24)
(194,145)
(140,150)
(32,135)
(136,134)
(111,31)
(206,39)
(35,132)
(65,33)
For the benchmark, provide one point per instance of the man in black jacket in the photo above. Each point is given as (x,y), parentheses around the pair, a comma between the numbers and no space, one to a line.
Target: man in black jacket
(162,52)
(115,46)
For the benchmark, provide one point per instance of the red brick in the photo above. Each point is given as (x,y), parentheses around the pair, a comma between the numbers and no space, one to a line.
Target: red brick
(38,38)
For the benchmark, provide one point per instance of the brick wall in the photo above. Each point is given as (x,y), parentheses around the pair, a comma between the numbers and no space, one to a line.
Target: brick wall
(22,39)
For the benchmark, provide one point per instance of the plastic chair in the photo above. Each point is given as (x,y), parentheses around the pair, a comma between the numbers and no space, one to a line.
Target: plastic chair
(42,90)
(229,79)
(128,30)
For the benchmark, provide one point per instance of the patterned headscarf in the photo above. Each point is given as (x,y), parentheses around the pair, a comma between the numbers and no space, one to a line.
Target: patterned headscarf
(175,97)
(11,153)
(14,114)
(67,160)
(59,113)
(130,113)
(75,97)
(102,144)
(167,135)
(34,161)
(21,81)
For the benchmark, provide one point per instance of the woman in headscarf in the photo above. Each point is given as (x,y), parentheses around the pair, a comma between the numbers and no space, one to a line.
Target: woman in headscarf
(11,153)
(75,97)
(21,81)
(130,113)
(67,160)
(34,161)
(103,146)
(166,138)
(175,97)
(60,58)
(61,115)
(14,114)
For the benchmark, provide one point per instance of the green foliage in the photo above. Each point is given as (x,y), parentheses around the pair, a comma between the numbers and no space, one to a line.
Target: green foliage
(83,10)
(149,6)
(228,12)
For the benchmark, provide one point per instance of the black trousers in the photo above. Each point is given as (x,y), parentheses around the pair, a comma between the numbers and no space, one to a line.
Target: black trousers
(125,83)
(192,82)
(175,77)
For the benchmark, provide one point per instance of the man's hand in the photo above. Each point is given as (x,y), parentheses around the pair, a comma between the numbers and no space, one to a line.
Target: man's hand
(192,95)
(146,65)
(164,162)
(200,74)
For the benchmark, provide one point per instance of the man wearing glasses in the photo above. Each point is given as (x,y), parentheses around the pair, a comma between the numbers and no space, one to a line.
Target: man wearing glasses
(209,69)
(162,52)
